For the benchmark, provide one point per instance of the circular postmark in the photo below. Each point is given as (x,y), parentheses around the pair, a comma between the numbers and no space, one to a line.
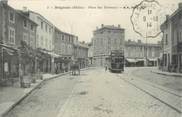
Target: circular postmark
(146,17)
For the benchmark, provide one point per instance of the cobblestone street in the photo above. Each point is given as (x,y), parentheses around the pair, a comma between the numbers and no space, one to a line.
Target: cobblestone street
(95,93)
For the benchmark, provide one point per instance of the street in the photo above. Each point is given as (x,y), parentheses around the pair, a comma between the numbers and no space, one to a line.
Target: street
(97,93)
(170,82)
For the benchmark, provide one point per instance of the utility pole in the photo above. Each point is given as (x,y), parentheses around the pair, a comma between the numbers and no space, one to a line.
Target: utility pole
(146,56)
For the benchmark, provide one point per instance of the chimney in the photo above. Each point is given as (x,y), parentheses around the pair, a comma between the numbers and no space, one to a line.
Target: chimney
(4,1)
(25,9)
(167,17)
(139,41)
(119,26)
(180,5)
(102,25)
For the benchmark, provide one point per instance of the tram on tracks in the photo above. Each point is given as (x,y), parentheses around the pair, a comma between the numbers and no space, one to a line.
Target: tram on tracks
(115,61)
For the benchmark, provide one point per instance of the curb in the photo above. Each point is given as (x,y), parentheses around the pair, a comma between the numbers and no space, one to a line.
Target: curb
(33,88)
(163,73)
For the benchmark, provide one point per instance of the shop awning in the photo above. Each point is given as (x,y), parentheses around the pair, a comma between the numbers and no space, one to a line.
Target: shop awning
(52,54)
(9,51)
(61,59)
(131,60)
(138,60)
(152,59)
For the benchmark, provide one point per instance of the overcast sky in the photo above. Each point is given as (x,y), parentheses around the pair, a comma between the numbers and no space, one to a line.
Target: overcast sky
(82,22)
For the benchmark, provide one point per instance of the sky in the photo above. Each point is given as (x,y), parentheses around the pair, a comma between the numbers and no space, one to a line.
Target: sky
(83,21)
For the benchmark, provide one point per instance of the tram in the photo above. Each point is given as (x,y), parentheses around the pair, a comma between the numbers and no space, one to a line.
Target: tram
(116,61)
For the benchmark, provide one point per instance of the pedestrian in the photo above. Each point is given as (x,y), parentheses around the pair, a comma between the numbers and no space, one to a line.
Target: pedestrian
(21,76)
(105,67)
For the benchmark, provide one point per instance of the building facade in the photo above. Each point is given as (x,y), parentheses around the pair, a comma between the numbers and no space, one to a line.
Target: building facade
(44,39)
(90,53)
(15,29)
(141,54)
(63,46)
(172,41)
(81,53)
(106,39)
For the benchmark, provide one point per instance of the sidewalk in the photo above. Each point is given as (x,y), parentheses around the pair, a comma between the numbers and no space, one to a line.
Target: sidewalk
(157,71)
(12,95)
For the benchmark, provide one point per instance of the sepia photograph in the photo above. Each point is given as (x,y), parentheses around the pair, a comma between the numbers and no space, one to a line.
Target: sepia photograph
(90,58)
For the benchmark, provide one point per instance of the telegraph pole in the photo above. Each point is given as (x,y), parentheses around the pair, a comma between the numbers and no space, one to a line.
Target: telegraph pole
(146,56)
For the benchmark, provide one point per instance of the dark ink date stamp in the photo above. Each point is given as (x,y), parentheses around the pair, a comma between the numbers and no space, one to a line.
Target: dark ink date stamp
(146,21)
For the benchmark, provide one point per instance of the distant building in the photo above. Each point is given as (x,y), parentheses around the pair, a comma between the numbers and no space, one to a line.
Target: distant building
(64,44)
(81,53)
(64,47)
(15,28)
(141,54)
(105,39)
(172,41)
(90,53)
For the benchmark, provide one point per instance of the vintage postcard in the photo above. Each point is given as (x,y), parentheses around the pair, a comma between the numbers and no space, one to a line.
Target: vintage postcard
(90,58)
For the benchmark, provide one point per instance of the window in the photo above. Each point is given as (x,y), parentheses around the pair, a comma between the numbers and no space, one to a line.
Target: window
(12,17)
(25,23)
(63,37)
(46,27)
(37,37)
(42,41)
(50,45)
(42,25)
(12,35)
(32,41)
(32,27)
(49,30)
(25,37)
(46,44)
(149,12)
(166,39)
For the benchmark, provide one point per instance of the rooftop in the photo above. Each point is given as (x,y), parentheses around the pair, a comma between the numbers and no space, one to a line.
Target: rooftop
(111,27)
(169,17)
(140,43)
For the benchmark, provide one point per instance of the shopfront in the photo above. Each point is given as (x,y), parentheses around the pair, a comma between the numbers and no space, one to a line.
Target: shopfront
(9,62)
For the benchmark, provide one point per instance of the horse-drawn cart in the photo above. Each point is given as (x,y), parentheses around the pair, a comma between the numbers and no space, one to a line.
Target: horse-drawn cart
(75,68)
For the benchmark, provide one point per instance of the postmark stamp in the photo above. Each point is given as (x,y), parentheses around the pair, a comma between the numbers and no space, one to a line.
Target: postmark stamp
(146,17)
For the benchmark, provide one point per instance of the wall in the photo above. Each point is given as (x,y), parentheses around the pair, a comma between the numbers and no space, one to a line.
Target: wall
(63,43)
(106,39)
(45,38)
